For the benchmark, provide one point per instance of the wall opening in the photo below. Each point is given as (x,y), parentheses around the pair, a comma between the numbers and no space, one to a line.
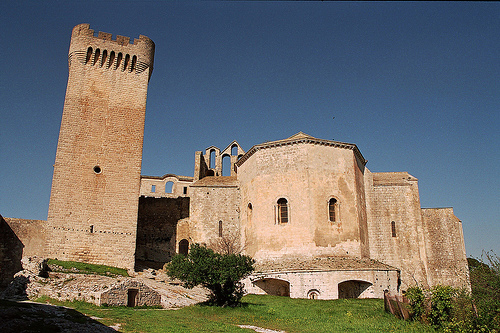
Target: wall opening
(352,288)
(212,159)
(220,228)
(184,247)
(393,229)
(185,190)
(332,210)
(89,55)
(282,211)
(91,229)
(97,169)
(153,188)
(169,186)
(103,58)
(313,294)
(226,165)
(274,287)
(132,297)
(234,150)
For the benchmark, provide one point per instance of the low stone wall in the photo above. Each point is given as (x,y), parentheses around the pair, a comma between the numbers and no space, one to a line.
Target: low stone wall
(130,293)
(18,238)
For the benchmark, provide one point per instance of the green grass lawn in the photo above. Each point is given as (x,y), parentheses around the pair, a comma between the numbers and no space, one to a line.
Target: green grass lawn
(85,268)
(272,312)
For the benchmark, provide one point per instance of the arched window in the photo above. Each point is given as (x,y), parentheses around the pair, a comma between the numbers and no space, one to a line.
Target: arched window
(184,247)
(220,228)
(332,210)
(212,159)
(89,55)
(282,211)
(103,58)
(393,228)
(96,56)
(169,186)
(234,150)
(226,165)
(313,294)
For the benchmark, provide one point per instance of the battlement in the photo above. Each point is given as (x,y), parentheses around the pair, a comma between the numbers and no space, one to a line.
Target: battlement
(104,52)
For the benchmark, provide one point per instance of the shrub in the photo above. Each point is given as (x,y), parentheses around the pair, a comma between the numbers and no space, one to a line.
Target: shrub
(219,273)
(417,302)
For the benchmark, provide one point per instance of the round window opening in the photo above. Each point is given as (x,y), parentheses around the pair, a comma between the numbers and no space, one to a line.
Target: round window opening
(97,169)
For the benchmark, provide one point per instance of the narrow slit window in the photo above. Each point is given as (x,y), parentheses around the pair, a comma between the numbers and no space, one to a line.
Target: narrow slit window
(220,228)
(185,191)
(89,55)
(393,228)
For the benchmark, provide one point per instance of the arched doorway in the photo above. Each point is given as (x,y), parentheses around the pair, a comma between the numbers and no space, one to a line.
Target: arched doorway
(274,287)
(352,288)
(184,247)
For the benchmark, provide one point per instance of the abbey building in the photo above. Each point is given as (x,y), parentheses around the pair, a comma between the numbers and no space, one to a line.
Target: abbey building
(317,221)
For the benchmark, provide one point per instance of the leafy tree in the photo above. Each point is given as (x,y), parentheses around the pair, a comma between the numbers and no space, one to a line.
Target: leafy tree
(219,273)
(485,283)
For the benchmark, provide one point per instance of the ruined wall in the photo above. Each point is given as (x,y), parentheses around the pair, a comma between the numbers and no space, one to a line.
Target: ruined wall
(213,200)
(307,175)
(168,186)
(130,293)
(157,226)
(19,238)
(394,197)
(95,188)
(444,241)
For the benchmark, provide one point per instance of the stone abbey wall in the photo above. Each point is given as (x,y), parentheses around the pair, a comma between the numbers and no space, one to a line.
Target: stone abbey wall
(307,175)
(95,188)
(157,228)
(19,238)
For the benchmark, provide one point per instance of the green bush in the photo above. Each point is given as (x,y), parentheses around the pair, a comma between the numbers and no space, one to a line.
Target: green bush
(441,305)
(417,302)
(220,273)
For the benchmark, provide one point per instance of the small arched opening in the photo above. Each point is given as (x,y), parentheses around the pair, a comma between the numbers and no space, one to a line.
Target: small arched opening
(184,247)
(313,294)
(352,288)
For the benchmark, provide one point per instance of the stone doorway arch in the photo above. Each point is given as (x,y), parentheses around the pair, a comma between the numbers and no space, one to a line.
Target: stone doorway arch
(352,288)
(274,287)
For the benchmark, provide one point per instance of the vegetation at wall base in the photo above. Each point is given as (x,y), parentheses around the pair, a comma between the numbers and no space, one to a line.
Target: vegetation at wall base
(458,310)
(84,268)
(219,273)
(271,312)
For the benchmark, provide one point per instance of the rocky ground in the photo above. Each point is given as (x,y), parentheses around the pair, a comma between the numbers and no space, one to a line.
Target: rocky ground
(18,314)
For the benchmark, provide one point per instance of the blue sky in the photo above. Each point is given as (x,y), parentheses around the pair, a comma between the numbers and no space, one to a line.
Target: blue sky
(415,85)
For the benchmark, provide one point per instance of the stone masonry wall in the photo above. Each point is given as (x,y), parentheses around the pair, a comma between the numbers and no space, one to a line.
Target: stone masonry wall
(213,199)
(444,240)
(393,197)
(19,238)
(95,188)
(307,176)
(157,227)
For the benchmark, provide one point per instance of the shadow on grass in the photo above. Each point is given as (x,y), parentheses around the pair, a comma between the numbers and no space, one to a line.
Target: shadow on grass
(34,317)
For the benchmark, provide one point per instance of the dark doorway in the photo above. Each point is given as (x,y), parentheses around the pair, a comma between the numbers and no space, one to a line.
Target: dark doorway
(132,297)
(274,287)
(184,247)
(352,288)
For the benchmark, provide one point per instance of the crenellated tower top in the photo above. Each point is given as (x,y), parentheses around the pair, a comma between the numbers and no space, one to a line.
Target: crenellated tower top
(104,52)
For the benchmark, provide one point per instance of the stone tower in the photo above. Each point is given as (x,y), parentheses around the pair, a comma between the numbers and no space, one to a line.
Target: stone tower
(95,187)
